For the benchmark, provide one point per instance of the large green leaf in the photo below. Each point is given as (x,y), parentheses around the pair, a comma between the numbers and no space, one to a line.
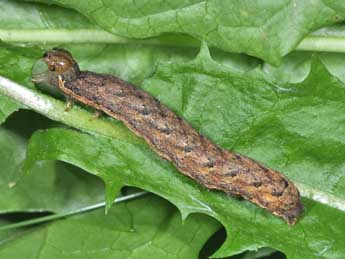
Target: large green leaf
(58,187)
(243,111)
(132,61)
(294,128)
(269,122)
(145,228)
(55,186)
(119,162)
(50,186)
(265,29)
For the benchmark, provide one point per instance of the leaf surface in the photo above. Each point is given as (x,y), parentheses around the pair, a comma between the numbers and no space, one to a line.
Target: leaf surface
(289,117)
(251,115)
(265,29)
(48,186)
(149,227)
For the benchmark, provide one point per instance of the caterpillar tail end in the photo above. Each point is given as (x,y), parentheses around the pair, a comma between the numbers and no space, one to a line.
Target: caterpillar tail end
(292,216)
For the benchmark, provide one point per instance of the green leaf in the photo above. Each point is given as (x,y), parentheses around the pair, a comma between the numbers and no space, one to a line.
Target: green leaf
(265,29)
(245,112)
(7,107)
(121,162)
(296,66)
(50,186)
(241,214)
(20,15)
(296,128)
(145,228)
(56,186)
(337,5)
(265,253)
(132,61)
(53,186)
(12,67)
(266,121)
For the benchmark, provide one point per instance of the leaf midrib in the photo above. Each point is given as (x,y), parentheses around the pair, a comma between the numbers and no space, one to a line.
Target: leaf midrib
(310,43)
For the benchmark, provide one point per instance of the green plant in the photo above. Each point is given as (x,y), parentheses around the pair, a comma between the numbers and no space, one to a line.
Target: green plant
(281,106)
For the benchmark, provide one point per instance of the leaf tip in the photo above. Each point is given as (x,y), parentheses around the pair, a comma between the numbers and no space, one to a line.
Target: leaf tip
(111,191)
(204,52)
(184,213)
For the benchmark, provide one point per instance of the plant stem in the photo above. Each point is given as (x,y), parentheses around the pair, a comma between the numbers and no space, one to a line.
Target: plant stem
(55,110)
(310,43)
(31,222)
(89,36)
(326,44)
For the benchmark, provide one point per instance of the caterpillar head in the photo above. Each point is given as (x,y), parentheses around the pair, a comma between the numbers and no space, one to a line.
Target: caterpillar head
(54,63)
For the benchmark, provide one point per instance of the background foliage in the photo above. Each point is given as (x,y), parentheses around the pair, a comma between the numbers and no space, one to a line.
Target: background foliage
(280,107)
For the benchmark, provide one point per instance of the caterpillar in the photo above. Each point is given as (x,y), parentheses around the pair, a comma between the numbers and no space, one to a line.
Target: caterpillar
(172,137)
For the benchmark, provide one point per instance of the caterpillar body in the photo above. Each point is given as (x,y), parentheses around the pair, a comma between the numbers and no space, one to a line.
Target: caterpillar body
(173,138)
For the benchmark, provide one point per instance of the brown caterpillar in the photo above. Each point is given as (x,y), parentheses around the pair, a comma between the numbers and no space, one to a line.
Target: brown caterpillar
(172,137)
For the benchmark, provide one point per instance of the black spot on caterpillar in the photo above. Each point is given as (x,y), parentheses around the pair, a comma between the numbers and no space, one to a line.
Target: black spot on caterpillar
(172,137)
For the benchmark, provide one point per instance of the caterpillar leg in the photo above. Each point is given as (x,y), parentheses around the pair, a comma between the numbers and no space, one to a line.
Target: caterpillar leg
(69,100)
(69,103)
(97,114)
